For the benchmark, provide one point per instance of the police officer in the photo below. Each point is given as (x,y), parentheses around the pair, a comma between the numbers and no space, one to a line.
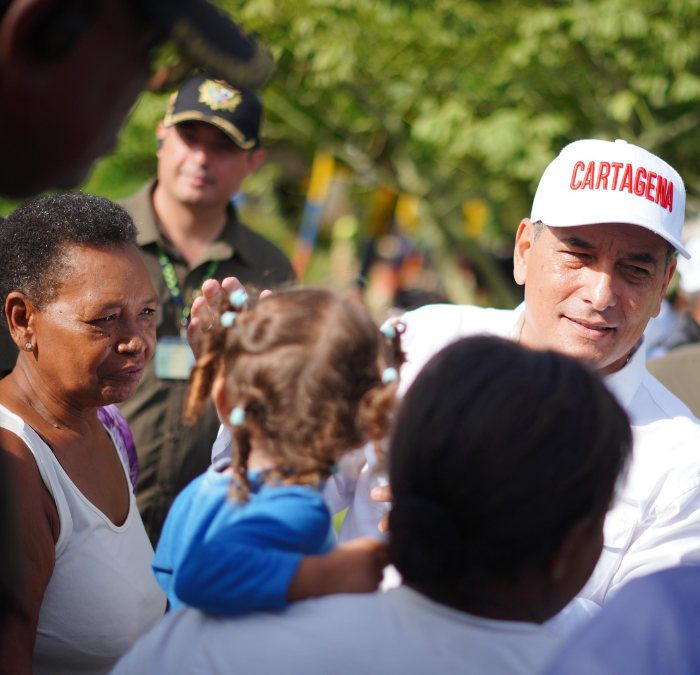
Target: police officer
(189,232)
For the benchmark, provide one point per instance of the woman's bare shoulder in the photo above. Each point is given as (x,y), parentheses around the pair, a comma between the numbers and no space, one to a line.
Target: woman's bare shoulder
(32,498)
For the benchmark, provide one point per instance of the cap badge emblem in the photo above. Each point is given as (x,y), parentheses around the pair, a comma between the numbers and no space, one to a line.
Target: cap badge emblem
(219,96)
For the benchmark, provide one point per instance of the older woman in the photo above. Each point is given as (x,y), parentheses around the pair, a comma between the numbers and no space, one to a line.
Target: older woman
(80,306)
(503,465)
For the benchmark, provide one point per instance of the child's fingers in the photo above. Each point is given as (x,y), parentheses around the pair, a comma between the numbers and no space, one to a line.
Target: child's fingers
(206,307)
(200,319)
(230,284)
(214,292)
(381,493)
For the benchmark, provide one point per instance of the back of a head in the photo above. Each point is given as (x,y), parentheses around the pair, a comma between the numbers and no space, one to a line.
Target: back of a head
(498,450)
(305,367)
(37,236)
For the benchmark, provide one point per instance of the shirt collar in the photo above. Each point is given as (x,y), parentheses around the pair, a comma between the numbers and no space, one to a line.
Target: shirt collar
(623,383)
(224,248)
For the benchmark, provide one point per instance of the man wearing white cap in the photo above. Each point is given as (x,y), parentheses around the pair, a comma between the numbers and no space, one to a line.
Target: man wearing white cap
(596,257)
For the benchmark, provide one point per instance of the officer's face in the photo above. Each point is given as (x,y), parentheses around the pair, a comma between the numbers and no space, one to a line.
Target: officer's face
(199,164)
(590,290)
(59,114)
(94,338)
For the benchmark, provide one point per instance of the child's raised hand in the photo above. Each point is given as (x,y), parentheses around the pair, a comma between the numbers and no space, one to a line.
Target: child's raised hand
(206,307)
(355,566)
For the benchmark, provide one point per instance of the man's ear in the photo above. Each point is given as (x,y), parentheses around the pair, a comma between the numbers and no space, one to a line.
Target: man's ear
(257,157)
(668,275)
(20,313)
(524,240)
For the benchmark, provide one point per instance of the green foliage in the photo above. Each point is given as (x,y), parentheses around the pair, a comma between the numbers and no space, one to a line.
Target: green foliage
(452,97)
(455,99)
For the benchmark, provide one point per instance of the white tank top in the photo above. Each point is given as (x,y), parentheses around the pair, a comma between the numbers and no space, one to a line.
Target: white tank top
(102,595)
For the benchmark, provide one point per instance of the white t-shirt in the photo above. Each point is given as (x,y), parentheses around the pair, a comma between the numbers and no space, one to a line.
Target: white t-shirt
(399,632)
(655,522)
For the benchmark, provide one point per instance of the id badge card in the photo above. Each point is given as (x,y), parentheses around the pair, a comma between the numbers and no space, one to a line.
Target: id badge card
(174,359)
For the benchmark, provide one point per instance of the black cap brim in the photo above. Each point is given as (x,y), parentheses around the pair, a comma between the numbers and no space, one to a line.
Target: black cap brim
(212,41)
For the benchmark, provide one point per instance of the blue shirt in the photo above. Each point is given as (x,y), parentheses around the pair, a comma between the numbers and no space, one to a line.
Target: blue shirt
(652,627)
(226,558)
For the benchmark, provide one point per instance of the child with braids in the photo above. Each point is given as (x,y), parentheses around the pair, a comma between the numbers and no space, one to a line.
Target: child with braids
(300,378)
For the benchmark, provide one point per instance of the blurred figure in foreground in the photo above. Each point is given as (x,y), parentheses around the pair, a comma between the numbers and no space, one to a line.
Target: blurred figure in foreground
(70,70)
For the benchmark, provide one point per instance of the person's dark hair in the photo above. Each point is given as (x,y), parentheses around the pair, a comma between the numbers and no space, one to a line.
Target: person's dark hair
(307,367)
(36,238)
(497,451)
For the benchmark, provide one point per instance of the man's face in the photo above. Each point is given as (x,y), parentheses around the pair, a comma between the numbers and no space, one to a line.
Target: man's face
(590,290)
(60,114)
(198,164)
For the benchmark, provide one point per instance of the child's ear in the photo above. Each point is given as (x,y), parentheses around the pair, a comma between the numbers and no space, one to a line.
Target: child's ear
(218,395)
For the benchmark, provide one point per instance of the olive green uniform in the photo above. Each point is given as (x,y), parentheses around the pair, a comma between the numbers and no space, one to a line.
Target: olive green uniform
(170,453)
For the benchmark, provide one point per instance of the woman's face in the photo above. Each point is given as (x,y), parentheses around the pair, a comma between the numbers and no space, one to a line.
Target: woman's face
(94,338)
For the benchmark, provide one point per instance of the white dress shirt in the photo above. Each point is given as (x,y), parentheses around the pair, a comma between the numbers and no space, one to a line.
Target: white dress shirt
(655,522)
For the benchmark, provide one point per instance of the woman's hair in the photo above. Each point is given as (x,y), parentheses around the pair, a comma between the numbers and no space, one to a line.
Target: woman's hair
(35,240)
(307,367)
(497,451)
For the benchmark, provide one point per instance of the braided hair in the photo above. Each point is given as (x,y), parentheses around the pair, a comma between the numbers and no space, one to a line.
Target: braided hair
(307,369)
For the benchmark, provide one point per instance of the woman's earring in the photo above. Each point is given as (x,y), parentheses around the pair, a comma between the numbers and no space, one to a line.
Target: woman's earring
(28,346)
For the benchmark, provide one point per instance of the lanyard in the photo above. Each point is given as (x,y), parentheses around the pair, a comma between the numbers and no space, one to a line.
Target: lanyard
(174,288)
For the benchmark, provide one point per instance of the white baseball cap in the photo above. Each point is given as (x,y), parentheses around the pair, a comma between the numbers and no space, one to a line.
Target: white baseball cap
(593,182)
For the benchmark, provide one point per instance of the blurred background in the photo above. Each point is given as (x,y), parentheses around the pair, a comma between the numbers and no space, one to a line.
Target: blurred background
(406,138)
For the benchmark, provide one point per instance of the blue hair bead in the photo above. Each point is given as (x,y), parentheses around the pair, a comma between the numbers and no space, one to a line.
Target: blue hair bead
(390,375)
(238,298)
(334,468)
(227,319)
(237,417)
(389,332)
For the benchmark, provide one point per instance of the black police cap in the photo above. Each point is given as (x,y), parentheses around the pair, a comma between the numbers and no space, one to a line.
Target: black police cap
(202,98)
(210,39)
